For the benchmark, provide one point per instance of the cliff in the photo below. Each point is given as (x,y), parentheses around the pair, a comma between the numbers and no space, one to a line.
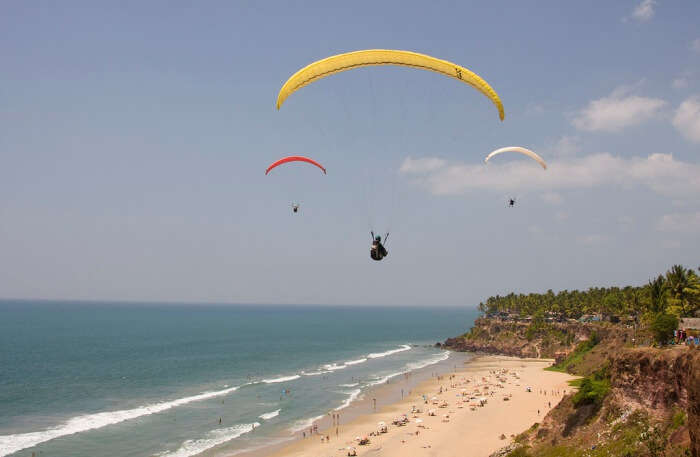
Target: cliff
(526,339)
(635,401)
(650,406)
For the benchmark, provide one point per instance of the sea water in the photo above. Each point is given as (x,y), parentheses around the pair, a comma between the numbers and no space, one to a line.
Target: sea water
(108,379)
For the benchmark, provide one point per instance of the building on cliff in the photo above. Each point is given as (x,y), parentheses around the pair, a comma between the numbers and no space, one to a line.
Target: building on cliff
(689,323)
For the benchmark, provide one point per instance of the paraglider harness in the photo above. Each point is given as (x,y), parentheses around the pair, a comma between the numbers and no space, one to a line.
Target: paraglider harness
(378,251)
(511,202)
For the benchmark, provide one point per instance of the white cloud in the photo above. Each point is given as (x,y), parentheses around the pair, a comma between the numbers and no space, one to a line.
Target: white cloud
(687,119)
(420,166)
(695,45)
(617,111)
(644,11)
(680,222)
(553,198)
(680,83)
(566,146)
(659,172)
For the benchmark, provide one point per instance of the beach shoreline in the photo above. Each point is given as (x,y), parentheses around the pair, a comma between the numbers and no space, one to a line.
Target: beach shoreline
(381,395)
(483,428)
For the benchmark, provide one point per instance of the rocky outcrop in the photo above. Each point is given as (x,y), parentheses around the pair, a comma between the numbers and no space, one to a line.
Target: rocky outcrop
(661,381)
(693,383)
(553,340)
(512,348)
(653,378)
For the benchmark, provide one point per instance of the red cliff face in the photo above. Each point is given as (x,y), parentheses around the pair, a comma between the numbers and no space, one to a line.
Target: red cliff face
(655,379)
(654,382)
(694,404)
(661,381)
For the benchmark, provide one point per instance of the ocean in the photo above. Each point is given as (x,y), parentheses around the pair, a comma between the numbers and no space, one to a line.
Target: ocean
(172,380)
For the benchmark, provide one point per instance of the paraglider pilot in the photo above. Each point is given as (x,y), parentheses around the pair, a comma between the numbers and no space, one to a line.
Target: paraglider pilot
(295,207)
(511,202)
(377,251)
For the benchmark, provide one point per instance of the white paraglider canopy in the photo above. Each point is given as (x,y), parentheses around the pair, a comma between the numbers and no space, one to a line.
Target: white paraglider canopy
(521,150)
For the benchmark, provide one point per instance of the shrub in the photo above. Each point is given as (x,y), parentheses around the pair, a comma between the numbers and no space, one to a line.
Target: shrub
(678,419)
(663,326)
(593,389)
(519,452)
(577,355)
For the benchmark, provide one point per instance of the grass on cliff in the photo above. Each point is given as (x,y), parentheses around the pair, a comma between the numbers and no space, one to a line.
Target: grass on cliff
(631,438)
(577,355)
(593,389)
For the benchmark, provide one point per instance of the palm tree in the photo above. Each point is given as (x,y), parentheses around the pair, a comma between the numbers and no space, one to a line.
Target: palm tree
(657,295)
(684,287)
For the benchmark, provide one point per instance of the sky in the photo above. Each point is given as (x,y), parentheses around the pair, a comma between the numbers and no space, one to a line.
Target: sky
(134,137)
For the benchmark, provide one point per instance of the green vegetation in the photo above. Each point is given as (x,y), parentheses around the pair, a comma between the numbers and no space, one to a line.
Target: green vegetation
(677,292)
(549,451)
(635,437)
(474,333)
(575,382)
(519,452)
(663,326)
(593,389)
(577,355)
(678,419)
(522,437)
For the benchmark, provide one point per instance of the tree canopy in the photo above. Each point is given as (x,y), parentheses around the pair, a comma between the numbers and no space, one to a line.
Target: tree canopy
(677,293)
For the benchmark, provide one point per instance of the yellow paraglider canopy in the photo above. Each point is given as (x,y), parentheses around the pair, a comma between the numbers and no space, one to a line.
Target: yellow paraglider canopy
(342,62)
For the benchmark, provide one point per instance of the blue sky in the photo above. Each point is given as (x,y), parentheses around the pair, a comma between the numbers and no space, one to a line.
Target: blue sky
(134,139)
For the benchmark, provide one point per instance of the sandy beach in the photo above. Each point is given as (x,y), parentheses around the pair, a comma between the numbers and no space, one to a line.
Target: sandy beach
(474,409)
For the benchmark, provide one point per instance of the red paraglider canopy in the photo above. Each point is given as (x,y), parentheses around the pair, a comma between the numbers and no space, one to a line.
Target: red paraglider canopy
(294,159)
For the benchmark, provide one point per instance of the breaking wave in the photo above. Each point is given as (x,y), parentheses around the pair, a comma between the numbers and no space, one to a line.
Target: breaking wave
(270,415)
(9,444)
(375,355)
(213,438)
(352,396)
(281,379)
